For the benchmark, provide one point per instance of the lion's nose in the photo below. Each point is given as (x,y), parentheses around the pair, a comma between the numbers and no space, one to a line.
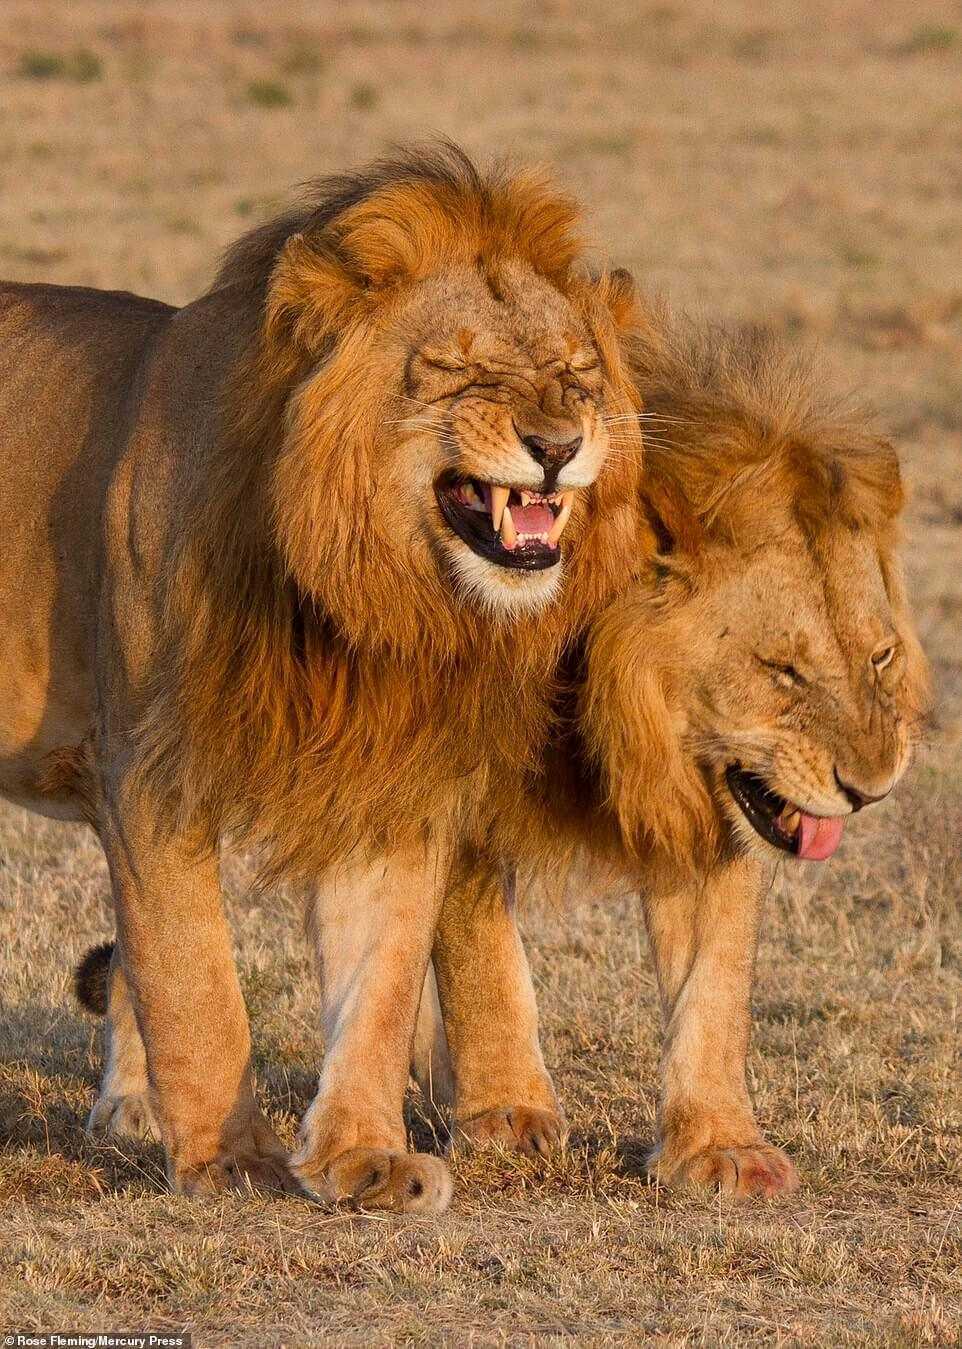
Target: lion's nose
(552,455)
(856,797)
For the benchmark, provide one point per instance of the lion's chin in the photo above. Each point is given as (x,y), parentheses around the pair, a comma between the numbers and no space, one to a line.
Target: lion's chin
(500,592)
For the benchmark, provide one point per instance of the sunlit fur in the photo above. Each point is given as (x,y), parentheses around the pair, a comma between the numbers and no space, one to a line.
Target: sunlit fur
(769,532)
(769,540)
(330,681)
(773,514)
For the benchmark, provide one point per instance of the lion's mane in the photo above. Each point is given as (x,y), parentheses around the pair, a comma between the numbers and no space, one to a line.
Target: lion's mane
(314,696)
(742,440)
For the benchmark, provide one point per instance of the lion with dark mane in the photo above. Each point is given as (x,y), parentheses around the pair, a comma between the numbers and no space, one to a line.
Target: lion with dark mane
(295,564)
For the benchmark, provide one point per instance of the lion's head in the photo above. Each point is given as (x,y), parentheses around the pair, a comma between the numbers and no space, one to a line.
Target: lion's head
(763,679)
(436,374)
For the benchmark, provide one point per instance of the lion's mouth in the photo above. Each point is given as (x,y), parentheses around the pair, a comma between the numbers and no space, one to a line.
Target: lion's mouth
(781,822)
(505,525)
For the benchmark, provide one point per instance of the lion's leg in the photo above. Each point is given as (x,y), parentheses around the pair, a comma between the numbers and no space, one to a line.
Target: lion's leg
(704,950)
(176,955)
(372,925)
(123,1105)
(430,1056)
(502,1091)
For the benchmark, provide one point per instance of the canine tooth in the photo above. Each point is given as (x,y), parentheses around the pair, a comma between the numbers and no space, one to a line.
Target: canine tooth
(499,500)
(509,535)
(557,529)
(526,498)
(791,821)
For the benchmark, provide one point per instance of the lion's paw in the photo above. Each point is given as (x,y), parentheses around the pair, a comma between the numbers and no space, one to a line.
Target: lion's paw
(129,1116)
(518,1128)
(258,1164)
(382,1178)
(754,1171)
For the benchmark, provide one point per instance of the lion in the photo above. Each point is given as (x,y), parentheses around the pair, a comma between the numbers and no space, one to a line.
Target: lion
(292,567)
(758,683)
(755,687)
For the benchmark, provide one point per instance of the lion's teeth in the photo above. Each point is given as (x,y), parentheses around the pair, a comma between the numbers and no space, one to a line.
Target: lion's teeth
(499,500)
(791,821)
(557,529)
(526,498)
(509,535)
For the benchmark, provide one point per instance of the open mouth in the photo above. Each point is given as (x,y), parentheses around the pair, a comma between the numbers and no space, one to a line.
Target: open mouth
(505,525)
(780,822)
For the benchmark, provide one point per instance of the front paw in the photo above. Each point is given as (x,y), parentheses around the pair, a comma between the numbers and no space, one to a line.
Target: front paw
(381,1179)
(518,1128)
(744,1171)
(254,1160)
(127,1116)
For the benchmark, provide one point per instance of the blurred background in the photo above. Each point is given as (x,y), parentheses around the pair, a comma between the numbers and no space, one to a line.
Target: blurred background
(795,164)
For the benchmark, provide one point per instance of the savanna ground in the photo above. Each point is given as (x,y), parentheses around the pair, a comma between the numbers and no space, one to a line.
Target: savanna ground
(798,164)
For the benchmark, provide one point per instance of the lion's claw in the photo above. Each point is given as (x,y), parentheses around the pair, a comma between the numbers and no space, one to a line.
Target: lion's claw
(129,1116)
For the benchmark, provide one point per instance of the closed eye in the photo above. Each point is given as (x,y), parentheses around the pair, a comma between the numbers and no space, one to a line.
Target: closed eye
(784,672)
(444,363)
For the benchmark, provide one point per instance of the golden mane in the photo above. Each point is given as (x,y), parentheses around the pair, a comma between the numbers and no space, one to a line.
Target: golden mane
(736,420)
(741,441)
(293,707)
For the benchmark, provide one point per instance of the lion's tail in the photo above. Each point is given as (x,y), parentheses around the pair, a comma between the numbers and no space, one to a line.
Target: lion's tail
(91,979)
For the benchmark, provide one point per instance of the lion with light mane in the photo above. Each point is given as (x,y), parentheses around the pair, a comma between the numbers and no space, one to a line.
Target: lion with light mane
(755,687)
(295,565)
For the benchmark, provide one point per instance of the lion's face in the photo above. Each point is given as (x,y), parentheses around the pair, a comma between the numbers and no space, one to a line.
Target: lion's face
(768,690)
(802,702)
(501,398)
(445,373)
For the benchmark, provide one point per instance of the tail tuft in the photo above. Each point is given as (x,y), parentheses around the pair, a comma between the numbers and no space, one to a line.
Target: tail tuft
(91,979)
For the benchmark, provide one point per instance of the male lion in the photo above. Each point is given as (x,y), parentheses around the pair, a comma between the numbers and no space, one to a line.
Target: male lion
(759,684)
(295,564)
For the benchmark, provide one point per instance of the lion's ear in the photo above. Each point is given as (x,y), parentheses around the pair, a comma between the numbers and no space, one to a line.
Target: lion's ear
(675,528)
(310,295)
(617,292)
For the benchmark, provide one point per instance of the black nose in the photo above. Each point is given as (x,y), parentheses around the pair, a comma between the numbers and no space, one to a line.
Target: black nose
(856,798)
(552,455)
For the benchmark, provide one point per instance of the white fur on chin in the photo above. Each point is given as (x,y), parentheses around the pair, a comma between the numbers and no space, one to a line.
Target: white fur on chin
(499,591)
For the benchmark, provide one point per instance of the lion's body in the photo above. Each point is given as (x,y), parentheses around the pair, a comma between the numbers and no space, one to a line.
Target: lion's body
(235,603)
(69,361)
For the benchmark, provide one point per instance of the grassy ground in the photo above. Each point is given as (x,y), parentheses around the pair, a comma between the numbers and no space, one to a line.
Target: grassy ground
(796,163)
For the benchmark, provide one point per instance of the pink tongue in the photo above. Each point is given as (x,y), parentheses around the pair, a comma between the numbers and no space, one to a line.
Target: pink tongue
(533,519)
(819,836)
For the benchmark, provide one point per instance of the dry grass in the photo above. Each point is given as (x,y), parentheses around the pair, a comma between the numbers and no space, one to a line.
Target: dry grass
(794,163)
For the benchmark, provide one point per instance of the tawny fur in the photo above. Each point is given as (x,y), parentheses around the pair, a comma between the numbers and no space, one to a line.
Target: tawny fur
(769,540)
(301,626)
(232,605)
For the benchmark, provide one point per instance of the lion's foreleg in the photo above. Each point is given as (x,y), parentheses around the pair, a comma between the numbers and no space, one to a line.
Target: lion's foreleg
(372,926)
(703,941)
(176,954)
(502,1091)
